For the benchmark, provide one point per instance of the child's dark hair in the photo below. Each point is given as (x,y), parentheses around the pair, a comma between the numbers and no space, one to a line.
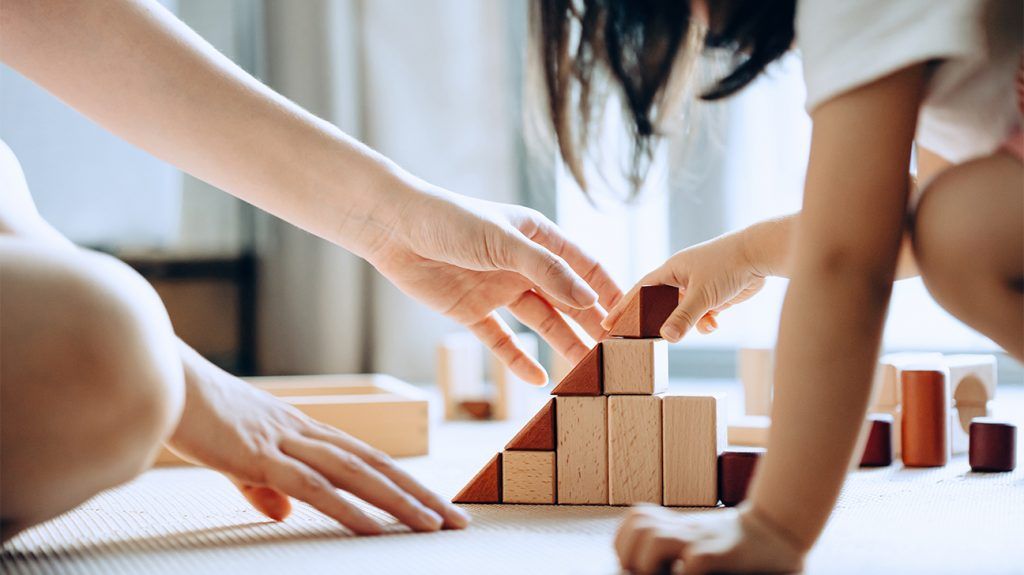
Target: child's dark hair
(644,48)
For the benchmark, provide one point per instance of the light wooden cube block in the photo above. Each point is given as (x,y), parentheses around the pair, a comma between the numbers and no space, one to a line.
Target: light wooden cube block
(634,449)
(694,435)
(972,383)
(582,427)
(755,369)
(528,477)
(635,366)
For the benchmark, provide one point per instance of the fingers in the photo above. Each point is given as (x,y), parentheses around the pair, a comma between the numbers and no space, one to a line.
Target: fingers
(691,308)
(657,551)
(454,518)
(267,501)
(537,314)
(589,319)
(494,333)
(349,472)
(546,270)
(548,235)
(650,542)
(302,482)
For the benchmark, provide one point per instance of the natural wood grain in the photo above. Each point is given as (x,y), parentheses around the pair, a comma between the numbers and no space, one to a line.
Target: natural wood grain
(694,435)
(646,312)
(634,449)
(539,433)
(485,487)
(586,378)
(755,367)
(582,427)
(635,366)
(528,477)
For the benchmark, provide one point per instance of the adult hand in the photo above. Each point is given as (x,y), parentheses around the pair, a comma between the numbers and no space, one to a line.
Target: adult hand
(271,451)
(467,258)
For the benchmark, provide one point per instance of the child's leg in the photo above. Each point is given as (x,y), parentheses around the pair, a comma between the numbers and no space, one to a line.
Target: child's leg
(90,378)
(969,245)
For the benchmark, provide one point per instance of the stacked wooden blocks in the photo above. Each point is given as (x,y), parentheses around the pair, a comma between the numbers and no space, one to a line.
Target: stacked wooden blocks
(612,435)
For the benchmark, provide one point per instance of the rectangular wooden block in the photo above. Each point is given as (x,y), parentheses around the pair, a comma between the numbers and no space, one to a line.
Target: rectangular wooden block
(634,449)
(635,366)
(582,426)
(460,371)
(694,435)
(749,431)
(528,477)
(755,369)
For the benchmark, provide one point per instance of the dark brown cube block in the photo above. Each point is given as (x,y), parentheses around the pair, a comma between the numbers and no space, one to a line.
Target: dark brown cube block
(735,470)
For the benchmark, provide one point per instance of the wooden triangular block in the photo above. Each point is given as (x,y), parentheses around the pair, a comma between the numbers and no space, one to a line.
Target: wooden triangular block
(585,378)
(538,434)
(646,312)
(485,487)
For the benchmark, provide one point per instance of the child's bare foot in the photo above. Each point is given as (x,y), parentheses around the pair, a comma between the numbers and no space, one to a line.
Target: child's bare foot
(656,540)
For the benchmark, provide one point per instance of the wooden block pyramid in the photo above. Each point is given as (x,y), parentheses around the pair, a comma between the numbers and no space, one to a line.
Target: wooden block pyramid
(611,435)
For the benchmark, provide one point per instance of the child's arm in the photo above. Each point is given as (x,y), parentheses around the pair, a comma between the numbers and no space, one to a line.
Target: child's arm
(843,264)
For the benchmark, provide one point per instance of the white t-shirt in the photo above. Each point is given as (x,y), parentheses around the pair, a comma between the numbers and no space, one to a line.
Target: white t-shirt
(970,106)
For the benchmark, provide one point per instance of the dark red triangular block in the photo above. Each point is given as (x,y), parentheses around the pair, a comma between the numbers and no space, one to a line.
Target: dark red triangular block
(485,487)
(585,378)
(538,434)
(646,312)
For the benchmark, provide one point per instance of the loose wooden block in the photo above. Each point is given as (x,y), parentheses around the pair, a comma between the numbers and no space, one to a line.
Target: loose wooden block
(635,366)
(646,312)
(896,413)
(756,367)
(485,487)
(528,477)
(878,446)
(749,430)
(509,397)
(972,384)
(993,445)
(460,371)
(925,434)
(735,471)
(539,433)
(634,449)
(586,378)
(887,392)
(693,436)
(479,409)
(582,427)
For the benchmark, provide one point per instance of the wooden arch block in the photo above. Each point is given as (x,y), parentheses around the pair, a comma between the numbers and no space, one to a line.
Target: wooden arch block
(586,378)
(646,312)
(539,433)
(485,487)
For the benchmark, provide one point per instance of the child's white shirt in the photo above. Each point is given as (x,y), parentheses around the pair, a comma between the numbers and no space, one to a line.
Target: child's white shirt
(970,106)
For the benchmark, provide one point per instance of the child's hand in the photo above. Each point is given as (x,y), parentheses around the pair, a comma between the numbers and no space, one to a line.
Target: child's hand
(711,277)
(652,539)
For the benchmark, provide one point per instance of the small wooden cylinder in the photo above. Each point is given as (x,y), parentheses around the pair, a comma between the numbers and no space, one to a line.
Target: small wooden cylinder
(925,426)
(993,445)
(735,470)
(878,447)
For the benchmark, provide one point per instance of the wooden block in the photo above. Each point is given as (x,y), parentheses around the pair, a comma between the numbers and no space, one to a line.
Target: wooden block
(485,487)
(539,433)
(460,371)
(586,378)
(896,413)
(381,410)
(646,312)
(972,384)
(735,472)
(993,445)
(582,427)
(479,409)
(925,434)
(886,386)
(528,477)
(635,366)
(693,436)
(756,368)
(878,445)
(749,430)
(634,449)
(509,397)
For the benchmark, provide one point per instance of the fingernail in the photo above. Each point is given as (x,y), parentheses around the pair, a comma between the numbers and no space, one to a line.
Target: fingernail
(430,519)
(458,518)
(583,295)
(670,333)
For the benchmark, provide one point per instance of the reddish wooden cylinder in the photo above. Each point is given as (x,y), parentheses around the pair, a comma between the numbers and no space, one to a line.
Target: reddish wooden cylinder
(993,445)
(878,447)
(924,435)
(735,470)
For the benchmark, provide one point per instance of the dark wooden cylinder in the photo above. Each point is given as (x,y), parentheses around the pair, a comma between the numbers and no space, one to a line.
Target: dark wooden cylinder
(925,430)
(993,445)
(735,470)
